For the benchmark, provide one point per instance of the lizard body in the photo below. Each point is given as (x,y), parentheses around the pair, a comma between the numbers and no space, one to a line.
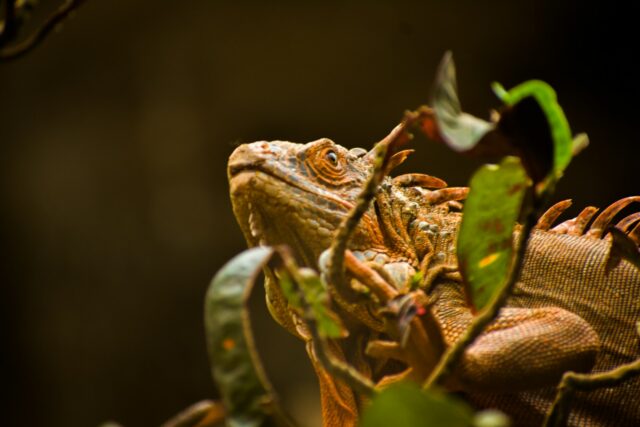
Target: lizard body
(566,312)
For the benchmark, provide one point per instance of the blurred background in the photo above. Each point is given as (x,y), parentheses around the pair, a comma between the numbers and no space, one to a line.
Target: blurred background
(114,136)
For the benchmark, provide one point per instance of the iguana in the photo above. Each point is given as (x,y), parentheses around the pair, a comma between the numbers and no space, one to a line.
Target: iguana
(567,312)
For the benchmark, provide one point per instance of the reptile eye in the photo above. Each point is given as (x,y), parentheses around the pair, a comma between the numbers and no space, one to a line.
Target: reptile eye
(327,161)
(332,157)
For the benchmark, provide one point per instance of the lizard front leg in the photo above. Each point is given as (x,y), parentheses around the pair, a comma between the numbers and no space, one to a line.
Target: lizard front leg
(521,349)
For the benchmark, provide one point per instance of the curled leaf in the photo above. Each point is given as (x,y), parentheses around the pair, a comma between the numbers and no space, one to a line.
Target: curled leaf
(524,128)
(546,98)
(246,392)
(531,125)
(519,129)
(461,131)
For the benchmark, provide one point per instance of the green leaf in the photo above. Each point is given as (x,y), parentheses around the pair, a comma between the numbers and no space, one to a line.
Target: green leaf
(289,290)
(520,129)
(406,405)
(485,241)
(558,124)
(316,298)
(235,365)
(416,279)
(461,131)
(315,293)
(531,126)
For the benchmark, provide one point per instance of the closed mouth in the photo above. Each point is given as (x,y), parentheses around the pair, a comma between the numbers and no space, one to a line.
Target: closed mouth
(237,168)
(240,168)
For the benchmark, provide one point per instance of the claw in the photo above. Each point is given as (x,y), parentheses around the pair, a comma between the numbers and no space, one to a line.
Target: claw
(447,194)
(603,220)
(379,349)
(579,224)
(395,378)
(369,277)
(397,159)
(549,217)
(418,180)
(626,223)
(396,138)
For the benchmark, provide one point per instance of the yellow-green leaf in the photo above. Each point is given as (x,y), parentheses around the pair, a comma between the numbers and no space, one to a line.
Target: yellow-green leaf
(485,241)
(314,292)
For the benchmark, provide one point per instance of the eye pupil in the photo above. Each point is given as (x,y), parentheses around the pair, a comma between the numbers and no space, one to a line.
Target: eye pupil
(332,157)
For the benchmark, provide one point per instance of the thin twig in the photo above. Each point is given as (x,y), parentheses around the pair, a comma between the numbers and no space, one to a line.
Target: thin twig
(194,415)
(348,226)
(418,351)
(370,278)
(571,382)
(335,367)
(418,348)
(52,22)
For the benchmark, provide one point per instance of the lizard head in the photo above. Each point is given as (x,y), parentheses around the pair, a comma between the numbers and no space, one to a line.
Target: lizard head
(296,194)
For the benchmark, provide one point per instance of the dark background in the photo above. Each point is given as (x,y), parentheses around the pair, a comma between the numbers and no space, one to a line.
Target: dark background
(114,137)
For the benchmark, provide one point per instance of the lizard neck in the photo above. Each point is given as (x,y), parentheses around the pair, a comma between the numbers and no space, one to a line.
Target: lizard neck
(411,229)
(409,234)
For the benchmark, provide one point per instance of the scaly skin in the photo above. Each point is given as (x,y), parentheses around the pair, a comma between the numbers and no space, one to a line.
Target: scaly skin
(566,312)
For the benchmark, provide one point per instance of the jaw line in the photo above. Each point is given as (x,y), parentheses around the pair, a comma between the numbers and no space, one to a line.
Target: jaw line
(254,220)
(304,254)
(239,171)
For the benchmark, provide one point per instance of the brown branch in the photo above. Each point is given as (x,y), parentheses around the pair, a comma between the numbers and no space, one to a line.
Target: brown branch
(370,278)
(571,382)
(348,226)
(419,352)
(52,22)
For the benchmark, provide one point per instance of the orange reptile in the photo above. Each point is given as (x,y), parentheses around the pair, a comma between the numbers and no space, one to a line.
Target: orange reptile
(566,312)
